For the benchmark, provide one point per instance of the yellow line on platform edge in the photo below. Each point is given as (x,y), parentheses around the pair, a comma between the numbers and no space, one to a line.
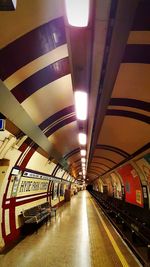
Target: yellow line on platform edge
(114,244)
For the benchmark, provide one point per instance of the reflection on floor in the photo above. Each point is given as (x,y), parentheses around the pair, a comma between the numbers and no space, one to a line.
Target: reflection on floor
(78,237)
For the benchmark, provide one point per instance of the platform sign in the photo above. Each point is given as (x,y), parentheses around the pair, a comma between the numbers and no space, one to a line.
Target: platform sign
(2,124)
(31,186)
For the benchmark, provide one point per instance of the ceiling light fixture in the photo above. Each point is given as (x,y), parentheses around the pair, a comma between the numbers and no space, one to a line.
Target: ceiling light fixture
(82,138)
(84,172)
(83,160)
(81,105)
(83,152)
(77,12)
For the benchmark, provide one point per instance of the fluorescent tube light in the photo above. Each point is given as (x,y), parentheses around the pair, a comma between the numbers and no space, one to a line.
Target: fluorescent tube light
(81,105)
(84,172)
(77,12)
(82,138)
(83,152)
(83,160)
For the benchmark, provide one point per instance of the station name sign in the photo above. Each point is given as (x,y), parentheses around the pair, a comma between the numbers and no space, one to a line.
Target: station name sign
(28,186)
(40,176)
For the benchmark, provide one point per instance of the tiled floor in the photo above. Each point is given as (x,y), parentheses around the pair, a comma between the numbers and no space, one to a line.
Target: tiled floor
(78,237)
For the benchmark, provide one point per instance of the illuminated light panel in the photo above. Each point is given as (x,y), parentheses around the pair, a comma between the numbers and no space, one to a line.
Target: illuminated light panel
(82,138)
(84,172)
(83,160)
(77,12)
(81,105)
(83,152)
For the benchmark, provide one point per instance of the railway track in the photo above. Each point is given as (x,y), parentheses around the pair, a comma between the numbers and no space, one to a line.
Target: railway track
(129,230)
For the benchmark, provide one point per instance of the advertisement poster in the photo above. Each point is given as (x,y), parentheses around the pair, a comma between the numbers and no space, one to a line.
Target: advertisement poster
(100,185)
(117,187)
(109,186)
(132,185)
(144,165)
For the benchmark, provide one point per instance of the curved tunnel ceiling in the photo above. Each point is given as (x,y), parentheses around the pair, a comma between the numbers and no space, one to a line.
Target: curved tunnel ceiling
(124,131)
(43,60)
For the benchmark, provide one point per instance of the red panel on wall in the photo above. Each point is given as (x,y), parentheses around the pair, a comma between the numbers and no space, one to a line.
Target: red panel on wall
(132,184)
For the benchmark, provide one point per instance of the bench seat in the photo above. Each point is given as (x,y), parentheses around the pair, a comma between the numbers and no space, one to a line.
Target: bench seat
(37,214)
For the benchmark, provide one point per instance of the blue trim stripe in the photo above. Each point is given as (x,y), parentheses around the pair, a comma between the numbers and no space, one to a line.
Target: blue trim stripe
(55,169)
(95,173)
(128,114)
(113,149)
(71,153)
(99,163)
(128,102)
(142,17)
(135,53)
(41,78)
(60,125)
(97,157)
(31,46)
(77,166)
(96,168)
(60,114)
(78,162)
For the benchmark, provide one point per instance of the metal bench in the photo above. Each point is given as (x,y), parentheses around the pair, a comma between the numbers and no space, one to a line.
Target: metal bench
(37,214)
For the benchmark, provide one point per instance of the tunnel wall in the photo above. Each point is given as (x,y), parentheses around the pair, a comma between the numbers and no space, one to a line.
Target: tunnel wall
(27,179)
(129,182)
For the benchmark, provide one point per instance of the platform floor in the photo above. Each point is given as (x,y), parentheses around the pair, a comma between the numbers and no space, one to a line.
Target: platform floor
(80,236)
